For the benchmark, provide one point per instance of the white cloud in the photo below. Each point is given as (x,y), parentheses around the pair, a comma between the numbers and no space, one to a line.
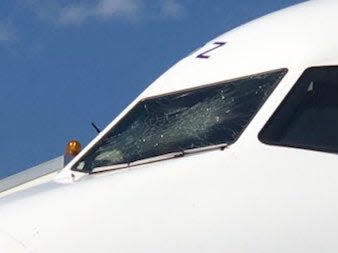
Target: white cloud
(7,32)
(104,9)
(172,9)
(117,7)
(72,12)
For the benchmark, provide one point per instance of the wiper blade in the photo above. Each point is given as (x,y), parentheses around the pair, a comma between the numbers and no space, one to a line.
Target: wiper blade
(167,156)
(139,162)
(197,150)
(110,167)
(158,158)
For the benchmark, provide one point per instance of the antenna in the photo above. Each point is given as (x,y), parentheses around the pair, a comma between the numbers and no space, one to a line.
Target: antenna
(96,128)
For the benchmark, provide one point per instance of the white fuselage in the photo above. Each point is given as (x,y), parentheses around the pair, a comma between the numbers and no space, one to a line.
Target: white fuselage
(249,197)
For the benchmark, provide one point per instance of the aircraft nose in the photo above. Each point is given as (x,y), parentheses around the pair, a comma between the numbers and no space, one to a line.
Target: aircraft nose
(10,244)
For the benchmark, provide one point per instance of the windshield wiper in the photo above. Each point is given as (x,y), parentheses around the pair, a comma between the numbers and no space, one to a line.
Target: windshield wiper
(139,162)
(197,150)
(167,156)
(110,167)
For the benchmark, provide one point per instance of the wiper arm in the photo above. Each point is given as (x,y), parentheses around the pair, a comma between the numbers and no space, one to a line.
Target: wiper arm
(139,162)
(110,167)
(158,158)
(167,156)
(197,150)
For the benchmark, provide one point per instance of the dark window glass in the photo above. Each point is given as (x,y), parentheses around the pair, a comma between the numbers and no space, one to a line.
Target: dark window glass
(308,116)
(185,120)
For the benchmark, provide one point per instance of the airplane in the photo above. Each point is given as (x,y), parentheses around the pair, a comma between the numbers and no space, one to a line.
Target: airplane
(233,149)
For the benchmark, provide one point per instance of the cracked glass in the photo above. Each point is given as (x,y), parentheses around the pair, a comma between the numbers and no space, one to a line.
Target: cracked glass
(185,120)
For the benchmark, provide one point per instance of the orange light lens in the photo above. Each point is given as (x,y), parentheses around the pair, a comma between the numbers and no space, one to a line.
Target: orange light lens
(73,148)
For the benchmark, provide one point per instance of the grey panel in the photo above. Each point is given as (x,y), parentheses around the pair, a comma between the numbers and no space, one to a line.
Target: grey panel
(32,173)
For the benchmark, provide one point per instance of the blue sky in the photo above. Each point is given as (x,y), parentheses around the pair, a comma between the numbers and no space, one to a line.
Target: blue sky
(67,63)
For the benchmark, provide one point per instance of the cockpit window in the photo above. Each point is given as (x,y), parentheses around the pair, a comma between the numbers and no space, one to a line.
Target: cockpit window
(308,116)
(190,119)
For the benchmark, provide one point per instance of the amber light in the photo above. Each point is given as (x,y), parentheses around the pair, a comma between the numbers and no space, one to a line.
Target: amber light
(73,148)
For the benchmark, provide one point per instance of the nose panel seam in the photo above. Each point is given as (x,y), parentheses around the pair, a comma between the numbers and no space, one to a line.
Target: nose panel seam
(13,238)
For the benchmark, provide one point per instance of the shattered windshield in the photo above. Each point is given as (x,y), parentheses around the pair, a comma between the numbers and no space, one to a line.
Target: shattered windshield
(189,119)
